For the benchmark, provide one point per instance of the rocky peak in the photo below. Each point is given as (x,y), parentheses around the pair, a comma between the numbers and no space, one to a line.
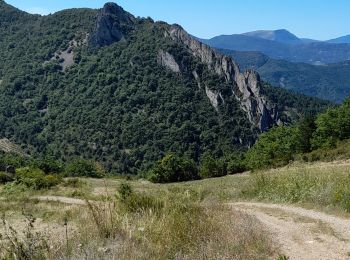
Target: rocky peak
(245,87)
(112,8)
(112,25)
(260,112)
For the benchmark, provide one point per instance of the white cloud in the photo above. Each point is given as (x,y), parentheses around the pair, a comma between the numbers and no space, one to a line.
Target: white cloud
(37,10)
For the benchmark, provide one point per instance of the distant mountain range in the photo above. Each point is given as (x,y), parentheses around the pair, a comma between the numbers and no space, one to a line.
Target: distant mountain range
(282,44)
(343,39)
(282,36)
(329,82)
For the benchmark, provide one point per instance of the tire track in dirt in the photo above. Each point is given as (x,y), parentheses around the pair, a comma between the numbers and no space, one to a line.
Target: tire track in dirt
(301,233)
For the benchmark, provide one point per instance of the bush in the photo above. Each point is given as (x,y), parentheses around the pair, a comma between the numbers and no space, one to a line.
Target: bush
(132,202)
(211,167)
(332,126)
(74,183)
(340,152)
(37,179)
(307,127)
(173,169)
(236,164)
(275,148)
(124,191)
(48,165)
(5,178)
(14,160)
(83,168)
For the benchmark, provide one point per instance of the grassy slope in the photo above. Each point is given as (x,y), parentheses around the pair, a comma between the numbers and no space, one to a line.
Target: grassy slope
(161,222)
(189,212)
(181,220)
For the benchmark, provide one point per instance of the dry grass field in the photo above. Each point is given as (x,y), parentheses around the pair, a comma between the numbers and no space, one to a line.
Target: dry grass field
(117,219)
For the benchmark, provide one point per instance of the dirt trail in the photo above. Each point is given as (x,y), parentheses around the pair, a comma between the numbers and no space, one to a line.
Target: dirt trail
(65,200)
(301,233)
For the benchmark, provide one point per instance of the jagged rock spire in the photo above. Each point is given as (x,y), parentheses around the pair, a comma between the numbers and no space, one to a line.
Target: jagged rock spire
(112,25)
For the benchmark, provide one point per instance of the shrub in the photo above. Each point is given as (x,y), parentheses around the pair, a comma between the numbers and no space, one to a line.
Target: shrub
(4,178)
(236,164)
(132,202)
(173,168)
(211,167)
(340,152)
(74,183)
(307,127)
(48,165)
(332,126)
(13,191)
(14,160)
(275,148)
(83,168)
(124,191)
(37,179)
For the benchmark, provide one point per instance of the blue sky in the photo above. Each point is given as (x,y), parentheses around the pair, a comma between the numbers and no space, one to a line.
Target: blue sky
(317,19)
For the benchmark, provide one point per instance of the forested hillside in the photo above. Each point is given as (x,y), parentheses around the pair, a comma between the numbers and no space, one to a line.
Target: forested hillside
(313,138)
(109,87)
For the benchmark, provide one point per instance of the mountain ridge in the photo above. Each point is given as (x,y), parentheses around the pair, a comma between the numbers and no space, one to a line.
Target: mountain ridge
(130,94)
(280,35)
(291,49)
(339,40)
(329,82)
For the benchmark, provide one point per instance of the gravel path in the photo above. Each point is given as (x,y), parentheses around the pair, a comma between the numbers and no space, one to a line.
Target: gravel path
(301,233)
(65,200)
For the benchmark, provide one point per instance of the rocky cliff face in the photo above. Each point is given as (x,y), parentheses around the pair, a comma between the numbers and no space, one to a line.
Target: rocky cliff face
(167,60)
(245,87)
(113,23)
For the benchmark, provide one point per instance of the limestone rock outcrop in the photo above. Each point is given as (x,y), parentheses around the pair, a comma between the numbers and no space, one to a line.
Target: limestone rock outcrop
(113,23)
(246,87)
(167,60)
